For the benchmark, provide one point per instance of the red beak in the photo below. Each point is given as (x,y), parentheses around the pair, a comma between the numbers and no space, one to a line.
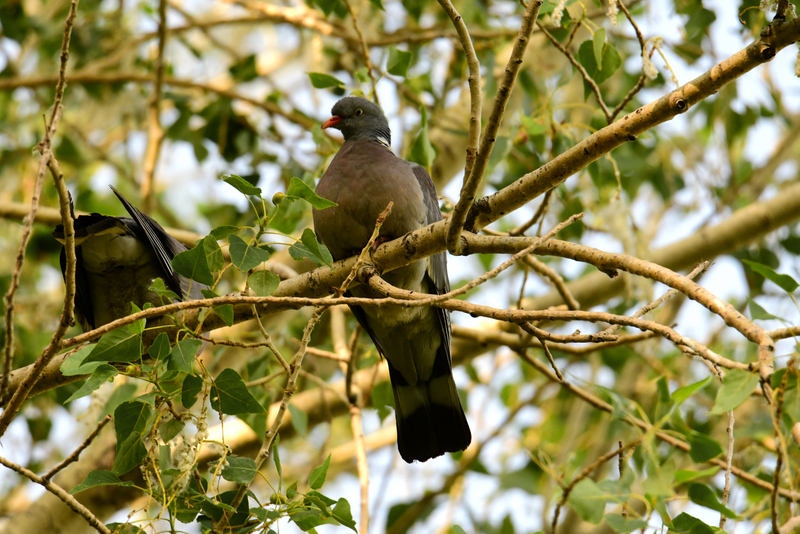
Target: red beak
(333,121)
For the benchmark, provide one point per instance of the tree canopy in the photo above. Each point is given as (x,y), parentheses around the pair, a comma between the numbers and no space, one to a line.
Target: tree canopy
(619,181)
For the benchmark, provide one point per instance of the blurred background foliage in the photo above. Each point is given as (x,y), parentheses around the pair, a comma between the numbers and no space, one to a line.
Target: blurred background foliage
(244,93)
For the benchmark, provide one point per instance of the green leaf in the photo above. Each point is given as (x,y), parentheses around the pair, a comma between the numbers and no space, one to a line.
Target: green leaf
(309,247)
(397,511)
(681,394)
(588,501)
(624,524)
(276,457)
(182,356)
(737,385)
(327,6)
(193,263)
(245,69)
(162,291)
(758,313)
(399,61)
(160,347)
(74,365)
(239,470)
(377,3)
(298,189)
(213,254)
(264,282)
(341,512)
(99,477)
(532,127)
(318,475)
(137,327)
(687,523)
(291,491)
(422,151)
(244,256)
(119,345)
(242,185)
(704,496)
(663,390)
(192,385)
(229,395)
(784,281)
(703,448)
(598,71)
(382,398)
(307,519)
(299,420)
(222,232)
(124,528)
(99,377)
(225,312)
(598,43)
(660,477)
(455,529)
(322,81)
(170,429)
(132,417)
(791,397)
(130,454)
(687,476)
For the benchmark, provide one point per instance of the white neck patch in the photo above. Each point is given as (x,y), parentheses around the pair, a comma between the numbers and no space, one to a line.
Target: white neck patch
(384,142)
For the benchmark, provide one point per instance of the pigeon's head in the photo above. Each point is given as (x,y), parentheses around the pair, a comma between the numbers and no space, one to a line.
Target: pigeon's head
(358,118)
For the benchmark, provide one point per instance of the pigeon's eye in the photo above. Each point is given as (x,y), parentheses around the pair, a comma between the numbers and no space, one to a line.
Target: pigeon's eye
(359,112)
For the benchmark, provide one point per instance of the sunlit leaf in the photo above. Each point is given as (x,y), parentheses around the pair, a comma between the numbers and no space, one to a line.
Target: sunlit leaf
(229,395)
(737,385)
(322,81)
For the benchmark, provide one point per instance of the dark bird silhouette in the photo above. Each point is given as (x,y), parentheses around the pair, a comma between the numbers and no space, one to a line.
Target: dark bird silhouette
(362,178)
(118,258)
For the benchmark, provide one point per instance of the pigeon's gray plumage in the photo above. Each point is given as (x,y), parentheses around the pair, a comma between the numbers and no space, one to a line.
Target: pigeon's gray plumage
(362,178)
(118,258)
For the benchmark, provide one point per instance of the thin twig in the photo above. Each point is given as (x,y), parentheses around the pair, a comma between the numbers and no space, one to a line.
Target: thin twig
(540,211)
(544,335)
(634,421)
(77,452)
(459,215)
(586,78)
(269,438)
(66,320)
(59,492)
(642,78)
(155,133)
(362,257)
(364,50)
(780,11)
(402,523)
(473,175)
(269,343)
(551,359)
(621,467)
(647,308)
(776,421)
(554,278)
(361,465)
(728,463)
(585,473)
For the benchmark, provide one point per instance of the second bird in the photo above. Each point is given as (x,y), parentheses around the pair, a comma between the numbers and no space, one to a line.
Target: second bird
(364,176)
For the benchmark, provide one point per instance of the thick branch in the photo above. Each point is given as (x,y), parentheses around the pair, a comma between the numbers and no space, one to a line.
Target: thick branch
(774,38)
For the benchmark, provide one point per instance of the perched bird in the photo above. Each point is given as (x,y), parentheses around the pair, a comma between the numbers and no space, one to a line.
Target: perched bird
(118,258)
(362,178)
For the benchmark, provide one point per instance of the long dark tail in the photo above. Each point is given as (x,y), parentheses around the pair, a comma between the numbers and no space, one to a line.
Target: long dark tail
(430,419)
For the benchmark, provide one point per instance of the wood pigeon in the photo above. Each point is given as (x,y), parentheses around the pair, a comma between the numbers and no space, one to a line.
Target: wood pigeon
(362,178)
(118,258)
